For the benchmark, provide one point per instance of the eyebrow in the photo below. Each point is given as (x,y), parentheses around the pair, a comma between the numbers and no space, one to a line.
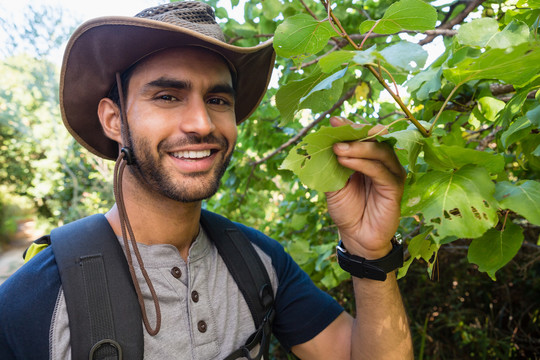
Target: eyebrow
(164,82)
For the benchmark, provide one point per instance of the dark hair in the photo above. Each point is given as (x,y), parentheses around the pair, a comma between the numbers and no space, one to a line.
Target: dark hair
(124,78)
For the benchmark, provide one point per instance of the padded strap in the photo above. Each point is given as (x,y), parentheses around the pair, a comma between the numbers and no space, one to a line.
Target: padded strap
(250,275)
(90,260)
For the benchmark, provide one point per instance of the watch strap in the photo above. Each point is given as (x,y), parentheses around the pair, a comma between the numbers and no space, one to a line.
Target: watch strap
(376,269)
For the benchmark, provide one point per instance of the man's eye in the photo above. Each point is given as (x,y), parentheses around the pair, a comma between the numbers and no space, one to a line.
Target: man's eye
(166,98)
(218,101)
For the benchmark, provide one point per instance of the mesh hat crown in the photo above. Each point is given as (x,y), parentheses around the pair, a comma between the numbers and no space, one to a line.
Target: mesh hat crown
(101,47)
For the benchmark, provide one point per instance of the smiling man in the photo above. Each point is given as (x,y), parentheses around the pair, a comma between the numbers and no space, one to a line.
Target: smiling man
(162,93)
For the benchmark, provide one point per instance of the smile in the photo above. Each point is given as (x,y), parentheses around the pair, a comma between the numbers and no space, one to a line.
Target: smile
(192,154)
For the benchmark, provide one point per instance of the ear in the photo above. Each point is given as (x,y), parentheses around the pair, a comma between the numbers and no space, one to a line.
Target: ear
(109,116)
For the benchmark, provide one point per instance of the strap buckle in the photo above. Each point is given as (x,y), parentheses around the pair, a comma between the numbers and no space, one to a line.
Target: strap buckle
(102,343)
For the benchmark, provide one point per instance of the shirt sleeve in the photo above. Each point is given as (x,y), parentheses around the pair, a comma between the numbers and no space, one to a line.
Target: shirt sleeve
(302,309)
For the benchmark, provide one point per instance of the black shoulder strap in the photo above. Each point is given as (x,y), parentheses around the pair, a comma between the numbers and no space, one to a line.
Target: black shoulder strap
(250,275)
(101,300)
(104,314)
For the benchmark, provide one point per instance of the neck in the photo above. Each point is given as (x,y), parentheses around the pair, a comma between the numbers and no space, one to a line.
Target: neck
(156,219)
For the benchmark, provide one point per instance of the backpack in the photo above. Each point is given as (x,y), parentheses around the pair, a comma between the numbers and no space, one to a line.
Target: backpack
(104,315)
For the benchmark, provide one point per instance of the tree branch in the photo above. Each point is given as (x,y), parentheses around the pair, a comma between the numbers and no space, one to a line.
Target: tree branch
(308,10)
(305,130)
(473,4)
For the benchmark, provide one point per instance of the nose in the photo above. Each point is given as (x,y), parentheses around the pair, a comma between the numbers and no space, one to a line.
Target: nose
(196,119)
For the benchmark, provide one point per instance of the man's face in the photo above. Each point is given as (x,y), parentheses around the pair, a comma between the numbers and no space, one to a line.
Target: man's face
(182,124)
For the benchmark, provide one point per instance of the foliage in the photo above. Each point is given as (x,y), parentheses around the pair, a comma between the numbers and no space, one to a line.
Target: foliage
(470,147)
(38,159)
(465,127)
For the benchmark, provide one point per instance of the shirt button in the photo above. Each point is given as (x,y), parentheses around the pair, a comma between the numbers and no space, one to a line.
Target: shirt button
(201,325)
(176,272)
(195,296)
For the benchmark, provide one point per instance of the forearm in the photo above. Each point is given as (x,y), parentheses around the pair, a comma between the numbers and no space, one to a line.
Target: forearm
(381,329)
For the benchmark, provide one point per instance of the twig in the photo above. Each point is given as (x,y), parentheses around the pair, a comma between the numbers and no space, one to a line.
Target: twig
(369,33)
(501,89)
(391,114)
(309,10)
(403,107)
(312,62)
(444,105)
(379,78)
(305,130)
(456,20)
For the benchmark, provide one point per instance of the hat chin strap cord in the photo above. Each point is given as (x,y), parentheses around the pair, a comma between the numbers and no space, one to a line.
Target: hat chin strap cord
(126,158)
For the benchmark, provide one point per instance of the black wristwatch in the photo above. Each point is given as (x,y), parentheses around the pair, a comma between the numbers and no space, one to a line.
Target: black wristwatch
(377,269)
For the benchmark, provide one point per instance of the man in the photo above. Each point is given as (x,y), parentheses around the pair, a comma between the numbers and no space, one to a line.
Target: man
(163,94)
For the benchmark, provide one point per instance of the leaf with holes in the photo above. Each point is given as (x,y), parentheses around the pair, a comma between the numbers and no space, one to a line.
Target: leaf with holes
(457,203)
(495,248)
(314,161)
(522,198)
(403,15)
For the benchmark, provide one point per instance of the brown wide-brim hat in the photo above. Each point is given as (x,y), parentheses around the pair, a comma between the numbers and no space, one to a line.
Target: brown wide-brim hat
(101,47)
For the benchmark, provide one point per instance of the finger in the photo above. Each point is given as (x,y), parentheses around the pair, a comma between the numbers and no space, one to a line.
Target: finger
(378,173)
(373,151)
(378,129)
(336,121)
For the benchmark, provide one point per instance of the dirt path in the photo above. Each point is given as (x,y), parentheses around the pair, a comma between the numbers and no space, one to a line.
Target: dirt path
(11,255)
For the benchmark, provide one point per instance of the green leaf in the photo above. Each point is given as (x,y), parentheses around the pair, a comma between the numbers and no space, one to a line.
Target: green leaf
(300,251)
(534,116)
(405,55)
(300,94)
(301,35)
(459,203)
(298,221)
(271,8)
(478,32)
(420,246)
(444,157)
(495,248)
(409,140)
(513,34)
(517,131)
(533,4)
(484,32)
(514,106)
(490,107)
(326,84)
(522,198)
(425,83)
(364,57)
(512,66)
(335,59)
(314,161)
(403,15)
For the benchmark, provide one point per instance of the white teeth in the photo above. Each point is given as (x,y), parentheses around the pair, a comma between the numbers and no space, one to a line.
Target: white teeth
(192,154)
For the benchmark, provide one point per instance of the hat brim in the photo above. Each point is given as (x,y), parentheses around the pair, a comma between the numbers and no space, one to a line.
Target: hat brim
(101,47)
